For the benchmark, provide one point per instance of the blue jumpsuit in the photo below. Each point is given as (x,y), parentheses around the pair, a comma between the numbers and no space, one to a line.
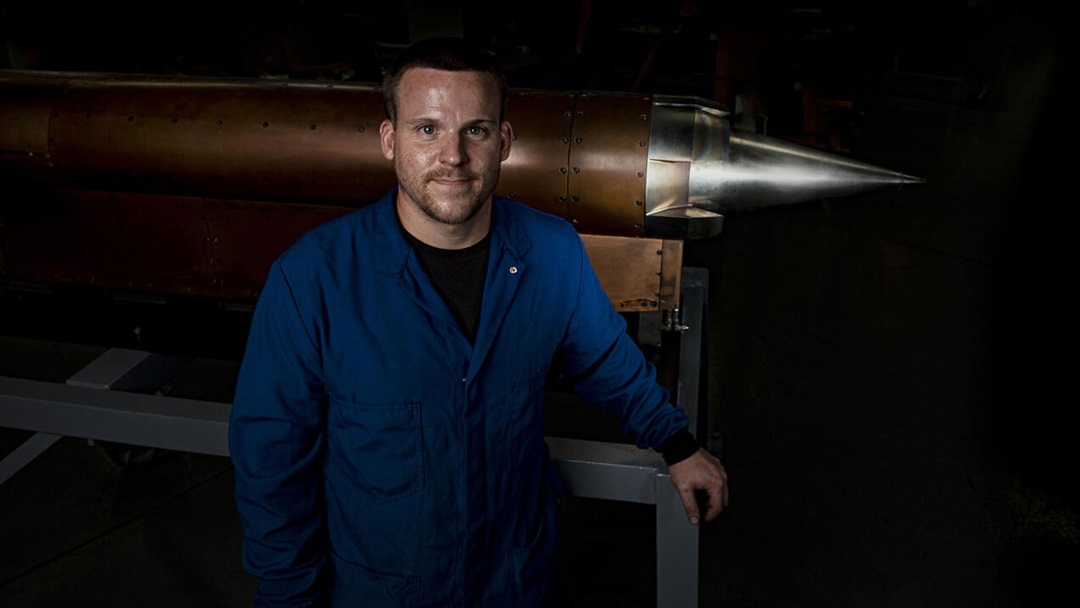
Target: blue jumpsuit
(383,460)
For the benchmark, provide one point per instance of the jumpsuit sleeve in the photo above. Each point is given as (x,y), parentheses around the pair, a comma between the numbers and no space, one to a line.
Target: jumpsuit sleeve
(276,443)
(608,369)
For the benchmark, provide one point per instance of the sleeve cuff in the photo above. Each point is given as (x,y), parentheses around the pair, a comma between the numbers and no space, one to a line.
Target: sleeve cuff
(678,447)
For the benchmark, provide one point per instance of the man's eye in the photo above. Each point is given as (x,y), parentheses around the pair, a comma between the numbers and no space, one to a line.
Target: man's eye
(476,131)
(427,130)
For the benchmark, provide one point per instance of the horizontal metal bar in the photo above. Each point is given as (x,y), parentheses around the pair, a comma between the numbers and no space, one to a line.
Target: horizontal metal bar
(615,471)
(149,420)
(590,468)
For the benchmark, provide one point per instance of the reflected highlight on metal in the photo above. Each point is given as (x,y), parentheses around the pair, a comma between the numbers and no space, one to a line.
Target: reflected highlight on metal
(700,168)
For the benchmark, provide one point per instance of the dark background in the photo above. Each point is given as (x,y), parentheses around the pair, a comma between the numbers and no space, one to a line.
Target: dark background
(889,373)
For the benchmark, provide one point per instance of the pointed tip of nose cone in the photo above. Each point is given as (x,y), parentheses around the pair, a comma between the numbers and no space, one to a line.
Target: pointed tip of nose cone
(764,172)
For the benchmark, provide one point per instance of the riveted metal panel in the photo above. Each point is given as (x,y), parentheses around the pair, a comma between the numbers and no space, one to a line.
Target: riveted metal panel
(608,162)
(258,140)
(160,242)
(25,109)
(536,171)
(113,239)
(24,129)
(671,274)
(40,242)
(629,270)
(247,236)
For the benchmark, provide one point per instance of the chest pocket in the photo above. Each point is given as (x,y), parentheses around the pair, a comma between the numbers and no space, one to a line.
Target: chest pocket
(380,446)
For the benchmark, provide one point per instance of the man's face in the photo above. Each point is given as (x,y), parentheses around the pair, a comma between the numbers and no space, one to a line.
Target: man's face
(447,143)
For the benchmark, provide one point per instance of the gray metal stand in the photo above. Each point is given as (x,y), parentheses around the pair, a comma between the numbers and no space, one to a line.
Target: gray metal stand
(96,404)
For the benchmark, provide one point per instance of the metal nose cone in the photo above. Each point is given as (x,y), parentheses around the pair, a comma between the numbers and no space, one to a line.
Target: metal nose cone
(763,171)
(700,168)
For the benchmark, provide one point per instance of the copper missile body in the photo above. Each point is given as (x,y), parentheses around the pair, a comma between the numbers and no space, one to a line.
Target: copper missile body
(607,167)
(194,185)
(237,139)
(536,172)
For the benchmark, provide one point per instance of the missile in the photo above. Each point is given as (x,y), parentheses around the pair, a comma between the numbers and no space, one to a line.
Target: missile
(223,169)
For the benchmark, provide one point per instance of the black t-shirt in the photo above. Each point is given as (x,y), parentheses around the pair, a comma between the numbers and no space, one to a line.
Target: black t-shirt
(458,275)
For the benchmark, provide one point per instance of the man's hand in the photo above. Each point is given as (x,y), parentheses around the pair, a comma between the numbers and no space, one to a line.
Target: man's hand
(702,471)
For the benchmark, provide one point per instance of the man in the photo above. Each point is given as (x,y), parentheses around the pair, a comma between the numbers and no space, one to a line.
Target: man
(387,431)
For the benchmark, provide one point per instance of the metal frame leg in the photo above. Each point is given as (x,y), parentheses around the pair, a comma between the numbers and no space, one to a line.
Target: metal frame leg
(25,454)
(676,549)
(612,471)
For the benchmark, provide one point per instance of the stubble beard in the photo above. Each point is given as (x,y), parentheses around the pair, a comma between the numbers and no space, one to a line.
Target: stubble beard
(456,210)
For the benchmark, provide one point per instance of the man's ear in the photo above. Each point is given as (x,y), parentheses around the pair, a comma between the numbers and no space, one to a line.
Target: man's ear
(386,139)
(506,134)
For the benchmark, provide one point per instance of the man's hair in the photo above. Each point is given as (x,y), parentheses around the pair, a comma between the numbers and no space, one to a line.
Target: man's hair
(450,54)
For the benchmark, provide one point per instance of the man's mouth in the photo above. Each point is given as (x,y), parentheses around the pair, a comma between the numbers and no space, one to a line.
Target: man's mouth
(451,181)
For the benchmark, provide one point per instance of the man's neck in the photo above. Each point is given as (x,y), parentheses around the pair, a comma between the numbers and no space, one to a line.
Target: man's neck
(444,236)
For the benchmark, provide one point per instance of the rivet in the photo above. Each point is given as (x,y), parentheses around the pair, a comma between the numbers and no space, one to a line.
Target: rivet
(359,129)
(562,199)
(568,114)
(513,270)
(265,124)
(562,169)
(218,122)
(577,140)
(577,169)
(641,144)
(575,220)
(574,198)
(644,117)
(581,112)
(510,195)
(566,140)
(312,126)
(637,203)
(640,174)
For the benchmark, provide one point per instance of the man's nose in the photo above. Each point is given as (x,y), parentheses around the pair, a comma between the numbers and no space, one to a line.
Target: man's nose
(453,150)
